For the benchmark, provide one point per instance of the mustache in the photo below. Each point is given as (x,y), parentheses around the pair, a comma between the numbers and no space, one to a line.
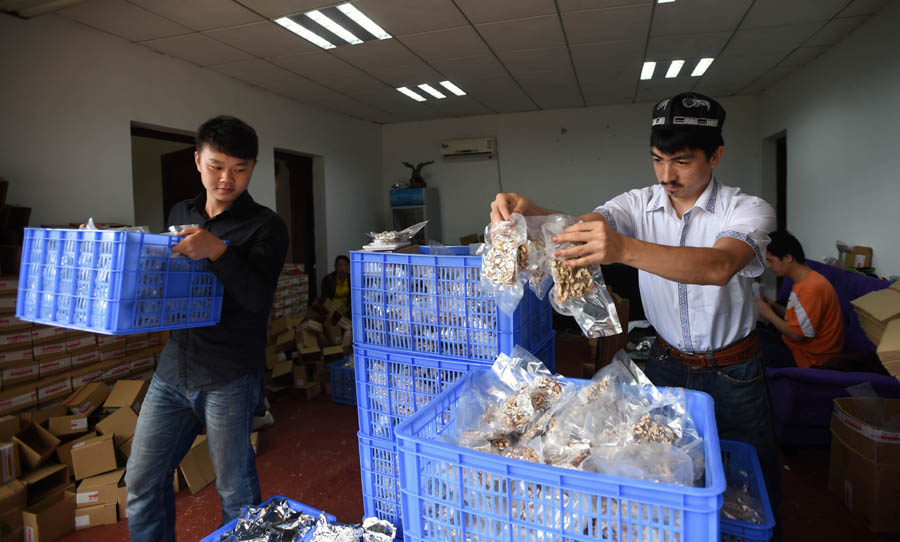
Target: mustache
(670,183)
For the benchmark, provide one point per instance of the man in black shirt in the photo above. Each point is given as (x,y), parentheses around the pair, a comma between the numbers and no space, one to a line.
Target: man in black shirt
(210,376)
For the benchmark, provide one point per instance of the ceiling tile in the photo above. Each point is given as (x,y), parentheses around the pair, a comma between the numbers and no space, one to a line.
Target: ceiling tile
(197,48)
(531,33)
(552,90)
(698,17)
(691,46)
(611,90)
(768,80)
(732,72)
(602,25)
(262,73)
(400,17)
(657,89)
(391,101)
(279,8)
(771,39)
(456,42)
(479,11)
(318,65)
(801,56)
(201,14)
(407,76)
(123,19)
(376,54)
(863,7)
(778,12)
(460,70)
(263,39)
(578,5)
(537,60)
(460,106)
(835,30)
(600,61)
(353,84)
(501,94)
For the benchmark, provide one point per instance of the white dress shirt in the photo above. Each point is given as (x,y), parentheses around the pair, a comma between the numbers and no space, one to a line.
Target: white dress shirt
(691,317)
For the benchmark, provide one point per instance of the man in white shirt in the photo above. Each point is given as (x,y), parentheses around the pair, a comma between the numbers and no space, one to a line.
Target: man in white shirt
(697,245)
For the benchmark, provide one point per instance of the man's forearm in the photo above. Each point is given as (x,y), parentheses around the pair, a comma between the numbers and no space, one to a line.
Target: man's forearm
(782,326)
(688,265)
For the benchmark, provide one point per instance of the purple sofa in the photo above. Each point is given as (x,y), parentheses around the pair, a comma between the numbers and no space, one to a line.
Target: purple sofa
(802,399)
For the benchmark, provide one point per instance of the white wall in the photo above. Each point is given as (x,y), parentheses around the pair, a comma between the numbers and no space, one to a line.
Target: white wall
(842,116)
(69,94)
(570,160)
(146,171)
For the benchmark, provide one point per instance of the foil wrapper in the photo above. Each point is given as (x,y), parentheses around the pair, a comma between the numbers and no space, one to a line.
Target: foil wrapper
(275,522)
(371,530)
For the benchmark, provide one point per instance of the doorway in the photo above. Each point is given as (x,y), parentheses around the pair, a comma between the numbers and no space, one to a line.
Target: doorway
(295,204)
(781,181)
(163,173)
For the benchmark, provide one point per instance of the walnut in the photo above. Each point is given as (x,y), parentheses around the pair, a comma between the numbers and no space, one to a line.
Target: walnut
(649,430)
(570,281)
(517,411)
(524,453)
(500,264)
(545,392)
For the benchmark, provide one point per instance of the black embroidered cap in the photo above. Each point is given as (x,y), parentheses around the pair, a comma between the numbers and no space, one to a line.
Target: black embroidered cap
(688,109)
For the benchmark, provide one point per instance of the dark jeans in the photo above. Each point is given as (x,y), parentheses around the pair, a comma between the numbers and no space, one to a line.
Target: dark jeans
(773,351)
(741,402)
(169,421)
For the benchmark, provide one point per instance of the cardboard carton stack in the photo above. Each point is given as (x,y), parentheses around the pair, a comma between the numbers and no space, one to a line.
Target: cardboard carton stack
(879,317)
(292,292)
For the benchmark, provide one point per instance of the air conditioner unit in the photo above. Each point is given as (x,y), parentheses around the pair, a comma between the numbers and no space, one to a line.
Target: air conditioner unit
(485,146)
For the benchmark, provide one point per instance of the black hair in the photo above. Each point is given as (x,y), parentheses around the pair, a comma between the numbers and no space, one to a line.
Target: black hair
(671,141)
(341,257)
(229,135)
(783,243)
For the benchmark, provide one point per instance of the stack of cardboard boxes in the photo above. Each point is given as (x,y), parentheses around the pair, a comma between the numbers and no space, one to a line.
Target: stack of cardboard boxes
(305,340)
(879,317)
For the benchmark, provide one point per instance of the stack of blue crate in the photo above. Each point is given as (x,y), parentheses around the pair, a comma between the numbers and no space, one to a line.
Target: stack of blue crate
(420,322)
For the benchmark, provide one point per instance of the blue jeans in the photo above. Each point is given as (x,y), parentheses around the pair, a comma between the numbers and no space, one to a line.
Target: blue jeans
(741,401)
(169,421)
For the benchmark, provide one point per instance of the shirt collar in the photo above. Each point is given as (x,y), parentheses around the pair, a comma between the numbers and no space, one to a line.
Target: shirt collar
(240,207)
(706,201)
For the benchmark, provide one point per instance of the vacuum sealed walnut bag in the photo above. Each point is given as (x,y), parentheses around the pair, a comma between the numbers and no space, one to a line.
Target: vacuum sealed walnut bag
(579,292)
(504,260)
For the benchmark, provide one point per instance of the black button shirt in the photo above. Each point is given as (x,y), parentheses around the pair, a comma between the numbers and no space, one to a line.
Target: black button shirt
(205,358)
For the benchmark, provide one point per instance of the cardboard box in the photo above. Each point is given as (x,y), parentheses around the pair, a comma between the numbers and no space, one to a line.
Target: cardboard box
(94,456)
(75,424)
(102,489)
(17,398)
(45,481)
(48,334)
(196,467)
(301,376)
(311,389)
(115,369)
(876,309)
(21,337)
(865,460)
(52,388)
(120,424)
(46,350)
(106,340)
(91,516)
(55,364)
(86,375)
(36,444)
(9,462)
(16,355)
(9,426)
(333,353)
(19,373)
(9,284)
(64,450)
(125,448)
(39,417)
(126,393)
(50,519)
(113,351)
(122,502)
(87,398)
(13,499)
(142,361)
(282,368)
(85,358)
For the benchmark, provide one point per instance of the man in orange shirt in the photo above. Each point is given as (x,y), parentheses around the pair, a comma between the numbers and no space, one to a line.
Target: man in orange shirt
(811,326)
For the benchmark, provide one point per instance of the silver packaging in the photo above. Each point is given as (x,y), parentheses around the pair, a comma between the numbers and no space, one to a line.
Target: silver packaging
(275,522)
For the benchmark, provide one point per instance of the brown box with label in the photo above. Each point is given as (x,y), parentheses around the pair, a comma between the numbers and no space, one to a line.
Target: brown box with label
(15,354)
(74,424)
(49,390)
(40,417)
(196,467)
(36,444)
(87,398)
(126,393)
(85,375)
(9,426)
(13,499)
(120,424)
(101,489)
(10,468)
(91,516)
(45,481)
(64,451)
(50,519)
(18,373)
(864,468)
(115,369)
(94,456)
(17,398)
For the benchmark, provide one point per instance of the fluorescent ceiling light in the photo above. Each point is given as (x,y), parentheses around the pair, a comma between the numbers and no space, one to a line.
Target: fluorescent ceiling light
(664,1)
(701,67)
(411,94)
(431,90)
(333,27)
(359,18)
(674,68)
(647,71)
(304,33)
(453,88)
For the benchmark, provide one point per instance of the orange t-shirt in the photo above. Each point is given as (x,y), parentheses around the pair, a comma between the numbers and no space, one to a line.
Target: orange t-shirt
(813,311)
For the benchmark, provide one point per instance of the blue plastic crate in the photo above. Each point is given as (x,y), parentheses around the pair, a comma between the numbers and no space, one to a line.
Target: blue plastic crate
(392,385)
(434,304)
(343,383)
(380,480)
(449,493)
(740,458)
(298,506)
(113,282)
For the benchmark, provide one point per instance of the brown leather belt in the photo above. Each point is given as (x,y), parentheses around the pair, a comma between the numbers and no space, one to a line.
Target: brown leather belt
(740,351)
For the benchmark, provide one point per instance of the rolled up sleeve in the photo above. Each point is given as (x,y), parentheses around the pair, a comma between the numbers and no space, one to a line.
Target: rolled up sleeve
(751,220)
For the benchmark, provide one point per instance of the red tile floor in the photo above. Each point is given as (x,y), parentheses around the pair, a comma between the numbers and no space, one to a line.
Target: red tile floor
(311,455)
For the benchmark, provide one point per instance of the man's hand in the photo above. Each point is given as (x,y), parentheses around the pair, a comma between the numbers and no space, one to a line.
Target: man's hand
(198,243)
(600,244)
(508,203)
(765,309)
